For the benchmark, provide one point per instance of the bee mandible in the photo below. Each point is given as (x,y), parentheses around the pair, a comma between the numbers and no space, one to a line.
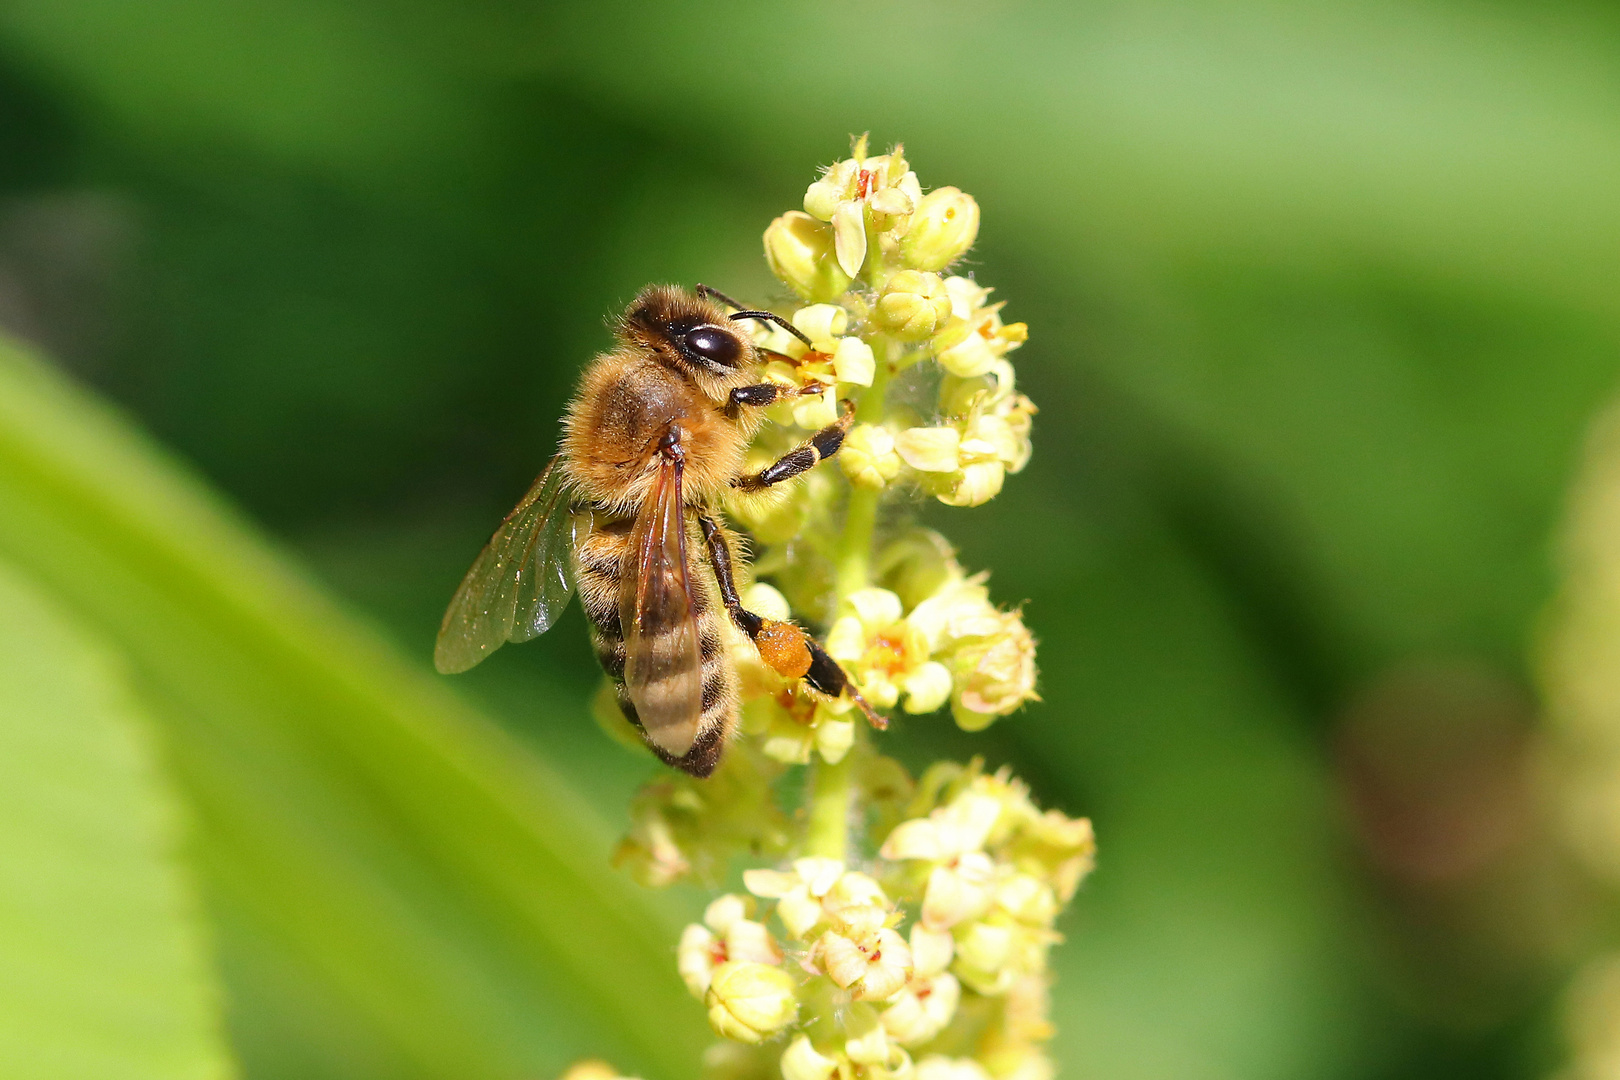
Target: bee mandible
(627,512)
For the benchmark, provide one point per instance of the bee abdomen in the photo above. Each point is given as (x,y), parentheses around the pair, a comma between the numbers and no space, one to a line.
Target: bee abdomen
(601,561)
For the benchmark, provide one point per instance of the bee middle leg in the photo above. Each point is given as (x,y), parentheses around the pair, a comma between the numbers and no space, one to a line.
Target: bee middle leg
(820,446)
(779,642)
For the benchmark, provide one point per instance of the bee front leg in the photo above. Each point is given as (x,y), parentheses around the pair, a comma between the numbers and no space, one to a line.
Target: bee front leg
(787,649)
(821,446)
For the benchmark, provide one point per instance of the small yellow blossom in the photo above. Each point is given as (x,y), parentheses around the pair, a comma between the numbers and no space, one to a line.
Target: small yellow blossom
(974,337)
(885,653)
(882,188)
(995,674)
(750,1002)
(798,893)
(872,966)
(726,934)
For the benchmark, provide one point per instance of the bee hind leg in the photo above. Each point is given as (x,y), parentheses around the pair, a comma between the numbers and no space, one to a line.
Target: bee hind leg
(783,646)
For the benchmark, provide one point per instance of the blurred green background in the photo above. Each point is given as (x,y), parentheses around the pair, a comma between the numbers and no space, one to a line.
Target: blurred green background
(1321,300)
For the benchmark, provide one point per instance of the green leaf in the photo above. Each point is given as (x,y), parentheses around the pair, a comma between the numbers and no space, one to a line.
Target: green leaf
(398,889)
(104,972)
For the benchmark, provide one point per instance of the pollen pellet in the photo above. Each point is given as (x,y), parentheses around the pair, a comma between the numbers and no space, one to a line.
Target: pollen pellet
(781,645)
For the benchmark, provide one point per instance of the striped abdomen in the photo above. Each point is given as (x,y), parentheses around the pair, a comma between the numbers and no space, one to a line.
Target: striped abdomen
(602,570)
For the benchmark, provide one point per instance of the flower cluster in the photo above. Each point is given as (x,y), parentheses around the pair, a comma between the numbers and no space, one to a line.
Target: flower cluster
(984,875)
(896,929)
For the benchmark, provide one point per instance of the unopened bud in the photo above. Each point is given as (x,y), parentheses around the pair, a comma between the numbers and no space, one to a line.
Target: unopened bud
(800,251)
(913,305)
(868,457)
(943,226)
(750,1002)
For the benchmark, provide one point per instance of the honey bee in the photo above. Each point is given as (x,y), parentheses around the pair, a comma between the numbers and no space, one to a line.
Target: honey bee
(627,511)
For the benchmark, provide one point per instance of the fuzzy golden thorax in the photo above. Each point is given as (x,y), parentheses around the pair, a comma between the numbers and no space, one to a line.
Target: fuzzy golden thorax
(678,360)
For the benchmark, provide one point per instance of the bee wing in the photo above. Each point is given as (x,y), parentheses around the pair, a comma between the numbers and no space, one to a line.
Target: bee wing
(520,582)
(663,668)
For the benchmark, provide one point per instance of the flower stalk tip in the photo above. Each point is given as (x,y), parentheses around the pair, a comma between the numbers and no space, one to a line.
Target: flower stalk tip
(886,915)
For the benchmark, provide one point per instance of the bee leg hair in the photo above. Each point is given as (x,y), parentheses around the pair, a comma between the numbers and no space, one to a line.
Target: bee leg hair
(824,674)
(821,446)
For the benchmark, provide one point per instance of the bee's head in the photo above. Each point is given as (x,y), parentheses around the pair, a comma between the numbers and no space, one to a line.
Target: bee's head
(696,334)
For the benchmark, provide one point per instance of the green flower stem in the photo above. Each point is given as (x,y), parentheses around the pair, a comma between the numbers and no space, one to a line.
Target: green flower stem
(831,790)
(860,520)
(827,835)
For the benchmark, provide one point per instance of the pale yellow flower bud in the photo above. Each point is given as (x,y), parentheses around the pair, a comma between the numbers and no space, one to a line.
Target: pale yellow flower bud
(764,599)
(750,1002)
(868,456)
(696,957)
(913,305)
(853,362)
(802,1061)
(927,688)
(923,1009)
(930,449)
(821,323)
(801,253)
(943,226)
(939,1067)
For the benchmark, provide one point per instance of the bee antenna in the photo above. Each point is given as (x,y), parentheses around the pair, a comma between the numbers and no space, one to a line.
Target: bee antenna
(771,316)
(764,316)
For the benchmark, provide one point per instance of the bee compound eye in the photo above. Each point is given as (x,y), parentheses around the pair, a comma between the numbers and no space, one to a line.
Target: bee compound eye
(712,343)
